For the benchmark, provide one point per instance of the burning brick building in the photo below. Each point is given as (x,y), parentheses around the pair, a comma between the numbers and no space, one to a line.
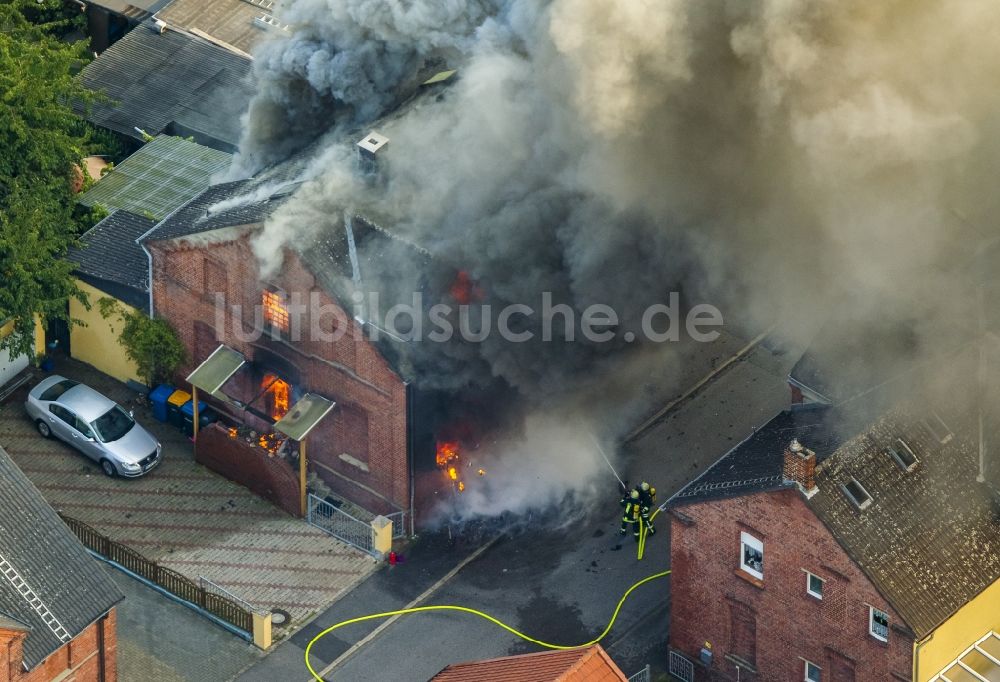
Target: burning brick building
(206,282)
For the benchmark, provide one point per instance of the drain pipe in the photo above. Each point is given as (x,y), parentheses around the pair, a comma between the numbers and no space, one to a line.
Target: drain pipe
(409,449)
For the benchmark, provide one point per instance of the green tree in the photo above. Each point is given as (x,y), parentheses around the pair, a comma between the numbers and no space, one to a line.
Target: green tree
(42,144)
(151,343)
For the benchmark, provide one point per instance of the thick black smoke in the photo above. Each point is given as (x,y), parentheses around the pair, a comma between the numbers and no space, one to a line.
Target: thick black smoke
(779,160)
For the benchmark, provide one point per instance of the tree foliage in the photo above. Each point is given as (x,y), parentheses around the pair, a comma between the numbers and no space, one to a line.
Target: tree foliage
(151,343)
(41,143)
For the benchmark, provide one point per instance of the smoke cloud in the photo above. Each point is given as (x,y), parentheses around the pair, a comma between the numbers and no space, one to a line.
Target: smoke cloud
(798,160)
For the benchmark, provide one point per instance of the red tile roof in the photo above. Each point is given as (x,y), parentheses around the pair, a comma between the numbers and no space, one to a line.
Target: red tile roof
(575,665)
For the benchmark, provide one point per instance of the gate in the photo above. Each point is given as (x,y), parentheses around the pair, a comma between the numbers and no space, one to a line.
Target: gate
(641,676)
(340,524)
(681,668)
(398,524)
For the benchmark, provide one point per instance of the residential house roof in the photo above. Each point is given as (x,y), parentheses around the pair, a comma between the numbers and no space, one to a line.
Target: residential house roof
(136,10)
(755,465)
(68,582)
(232,22)
(110,260)
(170,82)
(160,177)
(227,204)
(930,539)
(575,665)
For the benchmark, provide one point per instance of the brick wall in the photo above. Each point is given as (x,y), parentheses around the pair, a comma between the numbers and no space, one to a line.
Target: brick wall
(269,477)
(712,600)
(360,450)
(79,660)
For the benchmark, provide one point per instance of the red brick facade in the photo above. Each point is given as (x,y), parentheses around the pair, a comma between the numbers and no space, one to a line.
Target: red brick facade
(360,449)
(773,623)
(91,656)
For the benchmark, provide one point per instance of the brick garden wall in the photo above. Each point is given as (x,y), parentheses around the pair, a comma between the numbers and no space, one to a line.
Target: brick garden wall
(713,600)
(360,449)
(269,477)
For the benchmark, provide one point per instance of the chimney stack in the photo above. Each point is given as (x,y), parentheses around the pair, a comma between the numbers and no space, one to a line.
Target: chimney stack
(800,467)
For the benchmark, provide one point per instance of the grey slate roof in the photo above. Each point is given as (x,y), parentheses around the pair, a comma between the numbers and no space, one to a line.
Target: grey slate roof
(930,540)
(195,216)
(110,260)
(756,464)
(158,178)
(49,558)
(170,82)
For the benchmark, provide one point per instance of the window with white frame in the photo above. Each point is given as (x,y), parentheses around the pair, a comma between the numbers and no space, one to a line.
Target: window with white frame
(878,624)
(813,672)
(752,555)
(814,585)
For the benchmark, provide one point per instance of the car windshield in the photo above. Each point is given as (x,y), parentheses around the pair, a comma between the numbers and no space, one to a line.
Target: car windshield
(113,424)
(57,389)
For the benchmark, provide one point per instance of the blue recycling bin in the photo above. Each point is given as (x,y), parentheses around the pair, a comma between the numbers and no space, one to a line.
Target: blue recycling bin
(158,397)
(206,415)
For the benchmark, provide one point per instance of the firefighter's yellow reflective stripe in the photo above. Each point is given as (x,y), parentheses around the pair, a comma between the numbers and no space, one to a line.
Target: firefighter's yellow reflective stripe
(465,609)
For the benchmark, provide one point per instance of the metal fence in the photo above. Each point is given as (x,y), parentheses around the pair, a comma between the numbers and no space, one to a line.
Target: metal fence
(681,668)
(219,605)
(641,676)
(215,588)
(340,524)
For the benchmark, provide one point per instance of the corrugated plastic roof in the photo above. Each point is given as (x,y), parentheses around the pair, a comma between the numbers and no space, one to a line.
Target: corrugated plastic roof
(159,178)
(576,665)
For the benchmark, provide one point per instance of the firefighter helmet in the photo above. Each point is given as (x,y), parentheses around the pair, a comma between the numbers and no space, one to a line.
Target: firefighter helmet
(644,486)
(634,495)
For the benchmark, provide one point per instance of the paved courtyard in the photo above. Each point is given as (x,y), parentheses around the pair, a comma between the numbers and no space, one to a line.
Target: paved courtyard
(184,516)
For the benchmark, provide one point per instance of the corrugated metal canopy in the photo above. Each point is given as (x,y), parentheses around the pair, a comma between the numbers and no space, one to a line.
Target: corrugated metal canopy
(216,369)
(304,415)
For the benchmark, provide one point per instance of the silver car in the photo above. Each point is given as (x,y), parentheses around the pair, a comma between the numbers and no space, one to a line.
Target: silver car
(94,425)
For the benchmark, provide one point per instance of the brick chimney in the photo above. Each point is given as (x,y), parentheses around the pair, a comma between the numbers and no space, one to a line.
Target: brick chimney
(800,467)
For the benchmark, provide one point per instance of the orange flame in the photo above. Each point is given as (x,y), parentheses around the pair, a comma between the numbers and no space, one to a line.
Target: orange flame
(461,486)
(232,432)
(276,395)
(447,460)
(452,473)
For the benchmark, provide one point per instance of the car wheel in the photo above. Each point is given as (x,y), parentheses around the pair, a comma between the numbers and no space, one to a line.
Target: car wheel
(43,429)
(108,468)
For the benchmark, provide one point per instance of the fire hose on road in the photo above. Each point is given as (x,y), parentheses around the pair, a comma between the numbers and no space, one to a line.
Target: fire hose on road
(465,609)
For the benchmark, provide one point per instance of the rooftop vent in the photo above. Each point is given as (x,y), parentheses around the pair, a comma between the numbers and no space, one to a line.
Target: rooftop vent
(269,22)
(903,455)
(370,150)
(856,493)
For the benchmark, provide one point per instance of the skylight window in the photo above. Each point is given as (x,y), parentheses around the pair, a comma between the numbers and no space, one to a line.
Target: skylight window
(856,493)
(903,455)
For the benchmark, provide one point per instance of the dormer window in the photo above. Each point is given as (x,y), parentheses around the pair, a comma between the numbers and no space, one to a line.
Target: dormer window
(856,493)
(903,455)
(275,310)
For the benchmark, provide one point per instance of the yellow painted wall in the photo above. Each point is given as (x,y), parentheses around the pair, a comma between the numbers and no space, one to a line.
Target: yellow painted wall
(96,343)
(958,633)
(39,336)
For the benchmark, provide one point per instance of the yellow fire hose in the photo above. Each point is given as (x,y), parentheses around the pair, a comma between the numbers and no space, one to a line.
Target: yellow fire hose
(464,609)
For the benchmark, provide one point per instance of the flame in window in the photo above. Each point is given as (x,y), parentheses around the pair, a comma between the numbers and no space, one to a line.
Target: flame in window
(276,396)
(275,310)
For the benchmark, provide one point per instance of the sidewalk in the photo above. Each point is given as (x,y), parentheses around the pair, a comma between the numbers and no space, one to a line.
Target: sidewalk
(391,588)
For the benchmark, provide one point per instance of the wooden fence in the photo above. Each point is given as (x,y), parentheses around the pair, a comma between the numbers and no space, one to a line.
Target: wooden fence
(173,582)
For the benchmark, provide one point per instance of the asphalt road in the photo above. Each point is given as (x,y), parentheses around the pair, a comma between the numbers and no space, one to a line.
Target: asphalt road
(557,584)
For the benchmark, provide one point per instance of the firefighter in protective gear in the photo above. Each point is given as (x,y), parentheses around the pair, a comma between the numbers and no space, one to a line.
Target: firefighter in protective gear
(647,498)
(631,514)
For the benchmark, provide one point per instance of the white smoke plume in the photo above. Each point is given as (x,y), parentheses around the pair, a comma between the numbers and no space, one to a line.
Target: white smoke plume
(779,159)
